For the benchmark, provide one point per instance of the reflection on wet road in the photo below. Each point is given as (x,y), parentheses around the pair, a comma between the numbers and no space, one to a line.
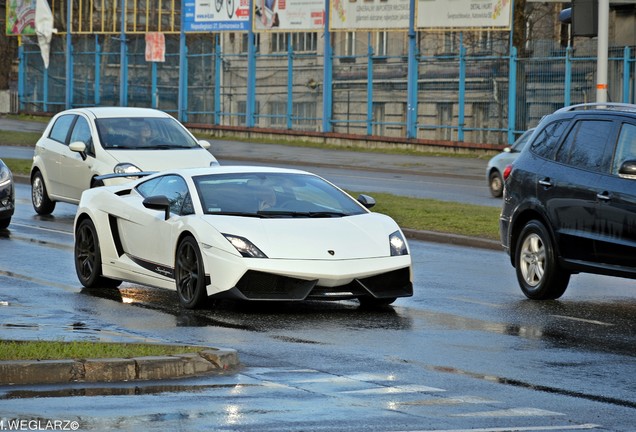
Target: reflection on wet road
(466,352)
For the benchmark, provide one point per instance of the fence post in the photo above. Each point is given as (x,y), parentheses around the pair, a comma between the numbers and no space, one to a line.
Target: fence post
(182,107)
(462,88)
(123,62)
(218,72)
(251,76)
(626,54)
(45,90)
(21,73)
(327,95)
(68,94)
(369,85)
(98,67)
(412,75)
(290,80)
(512,94)
(567,99)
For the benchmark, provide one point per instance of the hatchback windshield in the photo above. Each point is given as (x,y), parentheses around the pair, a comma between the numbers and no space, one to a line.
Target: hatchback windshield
(138,133)
(271,195)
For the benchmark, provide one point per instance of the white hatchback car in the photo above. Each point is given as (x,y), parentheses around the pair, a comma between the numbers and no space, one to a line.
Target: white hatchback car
(80,144)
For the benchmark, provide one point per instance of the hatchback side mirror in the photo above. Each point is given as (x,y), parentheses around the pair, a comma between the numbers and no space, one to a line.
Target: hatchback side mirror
(628,169)
(158,202)
(79,147)
(366,200)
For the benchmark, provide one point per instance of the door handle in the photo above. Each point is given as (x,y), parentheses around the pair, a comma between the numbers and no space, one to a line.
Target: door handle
(546,182)
(604,196)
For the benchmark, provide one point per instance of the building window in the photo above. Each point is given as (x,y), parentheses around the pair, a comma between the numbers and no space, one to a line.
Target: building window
(242,113)
(378,118)
(278,113)
(278,42)
(380,44)
(303,113)
(444,120)
(449,43)
(301,42)
(244,42)
(350,44)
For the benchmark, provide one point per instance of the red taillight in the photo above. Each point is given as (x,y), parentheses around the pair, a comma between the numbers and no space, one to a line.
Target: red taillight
(507,171)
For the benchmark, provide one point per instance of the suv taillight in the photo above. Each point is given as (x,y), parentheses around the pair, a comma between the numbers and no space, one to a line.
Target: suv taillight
(507,171)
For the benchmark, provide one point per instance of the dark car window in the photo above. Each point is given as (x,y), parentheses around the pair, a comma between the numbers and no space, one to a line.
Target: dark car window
(625,147)
(174,188)
(60,129)
(547,139)
(82,132)
(585,146)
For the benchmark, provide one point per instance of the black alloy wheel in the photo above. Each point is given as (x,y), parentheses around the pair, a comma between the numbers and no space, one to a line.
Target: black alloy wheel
(538,272)
(88,259)
(190,274)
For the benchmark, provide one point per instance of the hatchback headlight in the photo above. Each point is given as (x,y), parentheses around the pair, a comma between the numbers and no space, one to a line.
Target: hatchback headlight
(126,168)
(245,247)
(398,244)
(5,175)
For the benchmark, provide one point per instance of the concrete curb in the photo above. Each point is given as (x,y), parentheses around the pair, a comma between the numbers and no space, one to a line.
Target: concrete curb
(209,360)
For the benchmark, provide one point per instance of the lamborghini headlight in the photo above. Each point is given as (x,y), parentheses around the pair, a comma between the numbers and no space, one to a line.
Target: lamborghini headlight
(126,168)
(245,247)
(398,244)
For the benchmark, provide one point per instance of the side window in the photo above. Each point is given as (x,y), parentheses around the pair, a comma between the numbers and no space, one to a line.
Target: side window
(625,147)
(82,132)
(174,188)
(547,139)
(585,146)
(60,129)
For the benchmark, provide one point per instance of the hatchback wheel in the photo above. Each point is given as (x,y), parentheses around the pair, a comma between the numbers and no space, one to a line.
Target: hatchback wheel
(42,204)
(538,272)
(88,258)
(190,274)
(495,181)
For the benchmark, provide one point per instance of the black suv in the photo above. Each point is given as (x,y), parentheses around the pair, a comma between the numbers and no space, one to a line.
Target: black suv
(570,199)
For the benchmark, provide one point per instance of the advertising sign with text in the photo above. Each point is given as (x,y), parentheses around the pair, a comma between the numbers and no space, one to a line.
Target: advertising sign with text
(289,15)
(216,15)
(442,14)
(352,15)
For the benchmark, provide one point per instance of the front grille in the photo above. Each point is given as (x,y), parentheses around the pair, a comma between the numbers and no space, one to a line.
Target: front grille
(256,285)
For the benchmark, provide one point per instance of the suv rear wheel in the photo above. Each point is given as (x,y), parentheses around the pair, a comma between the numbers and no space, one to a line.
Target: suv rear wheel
(538,272)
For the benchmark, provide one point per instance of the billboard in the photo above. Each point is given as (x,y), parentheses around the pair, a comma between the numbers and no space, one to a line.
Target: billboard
(445,14)
(289,15)
(20,17)
(216,15)
(353,15)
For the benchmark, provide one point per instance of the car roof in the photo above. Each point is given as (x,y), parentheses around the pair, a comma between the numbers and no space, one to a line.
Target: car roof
(232,169)
(115,112)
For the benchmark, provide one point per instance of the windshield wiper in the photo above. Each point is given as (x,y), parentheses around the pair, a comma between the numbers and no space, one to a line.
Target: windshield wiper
(243,214)
(284,213)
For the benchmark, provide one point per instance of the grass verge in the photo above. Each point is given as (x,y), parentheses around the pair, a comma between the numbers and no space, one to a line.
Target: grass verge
(55,350)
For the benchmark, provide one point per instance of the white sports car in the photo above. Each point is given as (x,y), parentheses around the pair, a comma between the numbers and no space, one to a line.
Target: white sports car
(250,233)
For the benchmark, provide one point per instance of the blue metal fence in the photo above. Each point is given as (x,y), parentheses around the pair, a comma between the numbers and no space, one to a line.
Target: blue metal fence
(458,97)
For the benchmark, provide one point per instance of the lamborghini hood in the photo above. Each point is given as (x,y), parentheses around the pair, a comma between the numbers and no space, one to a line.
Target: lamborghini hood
(351,237)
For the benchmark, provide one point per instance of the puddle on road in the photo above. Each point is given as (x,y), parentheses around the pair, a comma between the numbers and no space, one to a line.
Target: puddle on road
(115,390)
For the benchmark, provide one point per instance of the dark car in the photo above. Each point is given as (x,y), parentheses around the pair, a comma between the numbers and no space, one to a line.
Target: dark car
(7,195)
(570,199)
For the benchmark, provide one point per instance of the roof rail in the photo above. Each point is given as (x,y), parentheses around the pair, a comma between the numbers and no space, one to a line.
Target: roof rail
(599,105)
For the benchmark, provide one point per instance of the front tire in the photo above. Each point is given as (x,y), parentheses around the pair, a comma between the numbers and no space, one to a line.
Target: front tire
(538,272)
(88,258)
(4,223)
(42,204)
(190,274)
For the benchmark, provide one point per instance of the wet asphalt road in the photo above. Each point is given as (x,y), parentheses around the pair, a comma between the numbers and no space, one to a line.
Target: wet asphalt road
(466,352)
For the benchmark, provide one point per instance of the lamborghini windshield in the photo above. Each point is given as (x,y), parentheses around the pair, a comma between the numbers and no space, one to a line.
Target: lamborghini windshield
(273,195)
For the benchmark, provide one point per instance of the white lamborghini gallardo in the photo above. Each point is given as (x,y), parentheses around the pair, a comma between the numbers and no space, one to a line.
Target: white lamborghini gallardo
(249,233)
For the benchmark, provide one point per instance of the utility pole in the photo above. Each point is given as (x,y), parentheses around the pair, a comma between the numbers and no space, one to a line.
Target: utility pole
(602,49)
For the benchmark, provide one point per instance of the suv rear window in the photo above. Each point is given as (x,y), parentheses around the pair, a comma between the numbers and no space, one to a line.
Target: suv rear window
(548,137)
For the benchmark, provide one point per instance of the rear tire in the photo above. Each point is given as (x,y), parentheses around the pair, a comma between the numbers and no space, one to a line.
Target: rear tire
(190,274)
(495,183)
(538,272)
(42,204)
(88,258)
